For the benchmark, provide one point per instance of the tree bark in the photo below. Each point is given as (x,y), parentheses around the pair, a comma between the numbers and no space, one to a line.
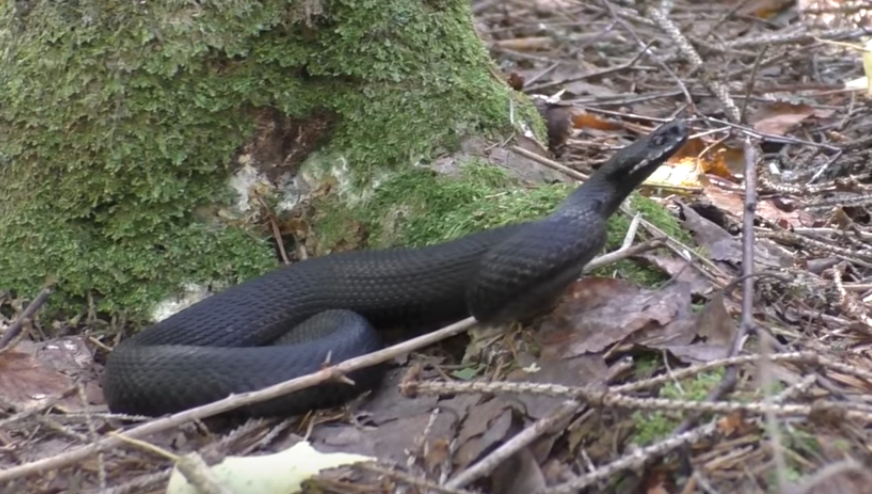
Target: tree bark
(149,146)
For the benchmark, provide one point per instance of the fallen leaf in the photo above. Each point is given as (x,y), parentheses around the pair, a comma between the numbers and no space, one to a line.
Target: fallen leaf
(696,338)
(486,425)
(280,473)
(597,313)
(394,422)
(679,174)
(534,43)
(764,8)
(32,374)
(715,324)
(519,474)
(553,368)
(679,269)
(734,204)
(582,120)
(725,248)
(27,383)
(779,118)
(724,160)
(710,156)
(734,424)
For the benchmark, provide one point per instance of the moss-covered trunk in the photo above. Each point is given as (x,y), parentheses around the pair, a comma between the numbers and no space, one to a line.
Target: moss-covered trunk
(126,126)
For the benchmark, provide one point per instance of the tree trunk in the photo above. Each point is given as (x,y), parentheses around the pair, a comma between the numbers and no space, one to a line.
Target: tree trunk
(124,124)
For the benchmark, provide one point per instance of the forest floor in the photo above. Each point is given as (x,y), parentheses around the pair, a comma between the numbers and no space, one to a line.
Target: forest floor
(703,382)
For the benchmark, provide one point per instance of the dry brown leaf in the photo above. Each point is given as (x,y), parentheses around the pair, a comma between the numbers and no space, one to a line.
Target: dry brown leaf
(27,382)
(734,423)
(764,8)
(485,425)
(394,423)
(682,173)
(723,247)
(679,269)
(691,149)
(581,120)
(520,474)
(709,157)
(656,479)
(34,373)
(551,368)
(597,313)
(715,324)
(698,338)
(526,44)
(734,204)
(725,161)
(779,118)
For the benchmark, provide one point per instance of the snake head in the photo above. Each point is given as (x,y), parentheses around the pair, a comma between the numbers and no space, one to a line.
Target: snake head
(631,165)
(636,162)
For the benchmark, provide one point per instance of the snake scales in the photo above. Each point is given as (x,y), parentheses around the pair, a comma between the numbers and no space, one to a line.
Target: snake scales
(283,324)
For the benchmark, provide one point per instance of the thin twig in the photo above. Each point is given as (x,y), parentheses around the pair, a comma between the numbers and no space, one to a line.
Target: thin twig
(410,480)
(634,460)
(610,399)
(29,311)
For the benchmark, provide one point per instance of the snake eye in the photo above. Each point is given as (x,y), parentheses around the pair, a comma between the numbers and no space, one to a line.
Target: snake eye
(659,140)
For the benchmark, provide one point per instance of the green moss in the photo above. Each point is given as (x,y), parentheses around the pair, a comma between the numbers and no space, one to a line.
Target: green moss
(806,443)
(651,427)
(632,271)
(120,121)
(419,207)
(442,208)
(662,219)
(696,388)
(646,366)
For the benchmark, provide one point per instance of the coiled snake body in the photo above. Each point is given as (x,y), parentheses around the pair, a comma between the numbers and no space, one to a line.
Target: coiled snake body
(285,323)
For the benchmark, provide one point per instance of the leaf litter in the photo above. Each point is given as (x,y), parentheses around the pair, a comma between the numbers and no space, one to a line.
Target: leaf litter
(644,358)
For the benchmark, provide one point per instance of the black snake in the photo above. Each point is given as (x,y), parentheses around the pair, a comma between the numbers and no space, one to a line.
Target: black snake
(285,323)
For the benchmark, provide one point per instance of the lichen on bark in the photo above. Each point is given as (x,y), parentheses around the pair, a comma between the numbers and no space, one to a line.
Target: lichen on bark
(122,120)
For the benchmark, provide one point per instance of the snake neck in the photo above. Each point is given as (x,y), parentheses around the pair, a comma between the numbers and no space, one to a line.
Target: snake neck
(602,195)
